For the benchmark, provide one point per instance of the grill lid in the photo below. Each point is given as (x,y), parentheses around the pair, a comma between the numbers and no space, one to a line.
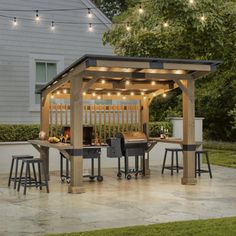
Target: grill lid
(132,137)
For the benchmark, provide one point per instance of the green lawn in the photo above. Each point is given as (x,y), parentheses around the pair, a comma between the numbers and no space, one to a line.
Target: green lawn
(221,154)
(213,227)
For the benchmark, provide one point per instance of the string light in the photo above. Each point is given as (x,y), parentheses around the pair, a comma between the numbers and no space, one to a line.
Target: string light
(191,2)
(108,94)
(202,18)
(118,94)
(89,13)
(52,25)
(124,97)
(166,24)
(64,91)
(93,94)
(144,97)
(15,23)
(128,28)
(103,81)
(164,95)
(52,96)
(58,92)
(132,93)
(153,83)
(99,97)
(37,18)
(140,10)
(84,93)
(127,82)
(142,93)
(90,27)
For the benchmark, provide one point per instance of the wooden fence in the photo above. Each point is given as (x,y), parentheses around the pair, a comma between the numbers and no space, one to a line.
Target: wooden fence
(106,119)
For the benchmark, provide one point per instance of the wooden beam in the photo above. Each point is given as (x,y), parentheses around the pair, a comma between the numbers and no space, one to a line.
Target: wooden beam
(90,83)
(76,100)
(189,144)
(135,75)
(187,66)
(184,89)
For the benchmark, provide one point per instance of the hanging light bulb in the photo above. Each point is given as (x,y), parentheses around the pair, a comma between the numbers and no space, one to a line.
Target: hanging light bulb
(124,97)
(64,91)
(127,82)
(166,24)
(93,94)
(118,94)
(90,27)
(37,18)
(153,83)
(52,96)
(202,18)
(108,94)
(144,97)
(84,93)
(128,28)
(132,93)
(58,92)
(164,95)
(99,97)
(103,81)
(191,2)
(52,26)
(142,93)
(140,10)
(89,13)
(15,23)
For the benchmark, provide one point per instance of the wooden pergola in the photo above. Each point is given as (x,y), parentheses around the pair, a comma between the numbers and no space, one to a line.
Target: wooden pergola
(136,78)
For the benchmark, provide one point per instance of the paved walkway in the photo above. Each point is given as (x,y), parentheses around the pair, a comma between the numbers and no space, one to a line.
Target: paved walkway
(116,203)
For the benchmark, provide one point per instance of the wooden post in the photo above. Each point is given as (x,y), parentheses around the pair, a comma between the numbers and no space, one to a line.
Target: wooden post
(189,134)
(76,101)
(44,126)
(145,120)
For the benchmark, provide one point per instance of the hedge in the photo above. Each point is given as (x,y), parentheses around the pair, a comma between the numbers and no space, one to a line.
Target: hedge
(17,133)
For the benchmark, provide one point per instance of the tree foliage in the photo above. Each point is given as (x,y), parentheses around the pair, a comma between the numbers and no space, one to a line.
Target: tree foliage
(191,37)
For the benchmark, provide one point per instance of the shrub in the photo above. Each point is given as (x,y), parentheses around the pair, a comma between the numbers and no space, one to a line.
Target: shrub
(14,133)
(11,133)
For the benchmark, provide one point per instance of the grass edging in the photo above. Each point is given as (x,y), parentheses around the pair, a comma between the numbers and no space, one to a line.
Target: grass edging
(210,227)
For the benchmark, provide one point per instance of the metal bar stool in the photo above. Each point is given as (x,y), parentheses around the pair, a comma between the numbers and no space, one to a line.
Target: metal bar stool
(198,169)
(38,182)
(172,167)
(16,158)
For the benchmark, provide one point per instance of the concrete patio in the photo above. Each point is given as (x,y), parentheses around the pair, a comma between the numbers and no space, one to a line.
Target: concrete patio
(116,203)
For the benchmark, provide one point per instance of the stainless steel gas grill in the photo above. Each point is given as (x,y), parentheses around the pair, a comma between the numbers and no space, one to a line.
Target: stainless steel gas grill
(127,144)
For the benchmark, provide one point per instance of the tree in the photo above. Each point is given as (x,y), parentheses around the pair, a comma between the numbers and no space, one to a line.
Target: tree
(177,29)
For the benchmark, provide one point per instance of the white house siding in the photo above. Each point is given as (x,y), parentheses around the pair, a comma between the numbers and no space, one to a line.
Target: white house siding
(16,45)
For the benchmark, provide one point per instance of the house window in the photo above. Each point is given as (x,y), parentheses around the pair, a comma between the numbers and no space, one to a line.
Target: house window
(43,68)
(45,71)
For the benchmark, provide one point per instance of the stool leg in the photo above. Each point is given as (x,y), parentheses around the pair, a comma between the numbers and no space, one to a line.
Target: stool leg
(118,164)
(172,162)
(26,176)
(29,174)
(199,164)
(16,170)
(10,176)
(45,176)
(21,172)
(136,163)
(40,178)
(35,176)
(164,162)
(99,166)
(208,164)
(177,162)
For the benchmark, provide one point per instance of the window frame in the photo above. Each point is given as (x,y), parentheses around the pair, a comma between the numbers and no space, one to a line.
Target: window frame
(57,59)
